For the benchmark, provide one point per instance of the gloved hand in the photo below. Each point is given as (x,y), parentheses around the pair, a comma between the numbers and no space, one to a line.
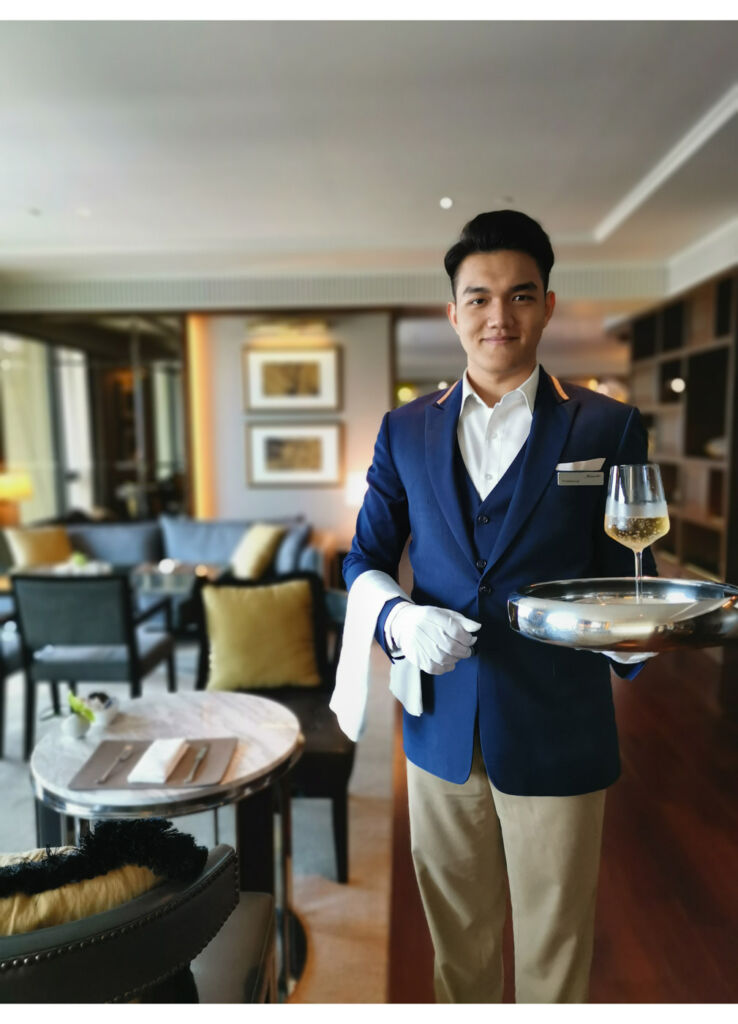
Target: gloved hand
(434,639)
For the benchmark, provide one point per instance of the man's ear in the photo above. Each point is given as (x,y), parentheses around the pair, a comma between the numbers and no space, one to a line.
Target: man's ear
(451,314)
(550,306)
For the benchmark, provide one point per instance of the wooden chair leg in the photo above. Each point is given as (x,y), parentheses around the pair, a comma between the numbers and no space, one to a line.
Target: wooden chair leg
(340,834)
(135,687)
(171,673)
(72,687)
(29,733)
(55,702)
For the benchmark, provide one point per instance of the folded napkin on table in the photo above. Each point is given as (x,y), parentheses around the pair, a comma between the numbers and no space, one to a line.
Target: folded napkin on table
(159,761)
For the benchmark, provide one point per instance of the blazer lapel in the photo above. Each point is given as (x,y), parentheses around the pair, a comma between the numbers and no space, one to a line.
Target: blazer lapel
(553,415)
(441,420)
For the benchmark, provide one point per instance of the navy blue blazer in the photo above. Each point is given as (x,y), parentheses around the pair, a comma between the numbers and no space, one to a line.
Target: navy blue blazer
(545,713)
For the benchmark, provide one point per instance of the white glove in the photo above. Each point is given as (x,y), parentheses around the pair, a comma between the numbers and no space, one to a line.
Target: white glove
(629,659)
(434,639)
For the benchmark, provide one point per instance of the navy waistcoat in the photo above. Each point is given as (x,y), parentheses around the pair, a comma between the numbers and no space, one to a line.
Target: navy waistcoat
(484,518)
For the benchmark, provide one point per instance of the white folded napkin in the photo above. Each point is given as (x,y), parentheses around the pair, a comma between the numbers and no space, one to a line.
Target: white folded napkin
(367,596)
(159,761)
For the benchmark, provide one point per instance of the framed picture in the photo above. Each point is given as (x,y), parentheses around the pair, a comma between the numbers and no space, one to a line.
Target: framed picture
(293,456)
(282,379)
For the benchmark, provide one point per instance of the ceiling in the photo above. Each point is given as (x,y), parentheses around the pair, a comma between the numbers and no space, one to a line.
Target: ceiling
(228,148)
(214,159)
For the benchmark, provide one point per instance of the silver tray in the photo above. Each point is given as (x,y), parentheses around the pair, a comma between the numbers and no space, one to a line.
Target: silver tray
(603,615)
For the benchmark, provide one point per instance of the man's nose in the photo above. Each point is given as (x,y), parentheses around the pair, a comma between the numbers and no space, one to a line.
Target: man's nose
(498,312)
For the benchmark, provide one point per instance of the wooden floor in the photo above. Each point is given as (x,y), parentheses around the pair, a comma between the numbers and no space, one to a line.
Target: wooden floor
(667,922)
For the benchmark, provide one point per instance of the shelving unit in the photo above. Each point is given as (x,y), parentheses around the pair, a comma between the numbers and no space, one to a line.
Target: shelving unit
(684,380)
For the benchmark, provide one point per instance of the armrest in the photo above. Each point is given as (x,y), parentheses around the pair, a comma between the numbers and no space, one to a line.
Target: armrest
(120,952)
(324,543)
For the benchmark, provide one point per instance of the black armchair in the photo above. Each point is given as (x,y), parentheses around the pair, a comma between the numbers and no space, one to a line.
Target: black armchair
(327,761)
(86,628)
(163,946)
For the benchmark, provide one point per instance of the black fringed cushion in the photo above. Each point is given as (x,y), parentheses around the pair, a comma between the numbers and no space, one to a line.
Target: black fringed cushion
(116,862)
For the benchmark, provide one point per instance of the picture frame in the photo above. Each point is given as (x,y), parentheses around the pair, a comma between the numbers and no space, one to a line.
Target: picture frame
(285,379)
(294,455)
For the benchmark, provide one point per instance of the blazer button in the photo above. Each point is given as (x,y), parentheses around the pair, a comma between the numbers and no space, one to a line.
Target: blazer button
(481,563)
(483,520)
(484,589)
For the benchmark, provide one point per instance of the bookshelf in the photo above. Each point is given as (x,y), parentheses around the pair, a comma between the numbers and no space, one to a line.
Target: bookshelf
(684,380)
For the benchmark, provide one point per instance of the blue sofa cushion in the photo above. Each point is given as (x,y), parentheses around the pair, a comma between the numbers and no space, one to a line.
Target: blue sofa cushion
(118,543)
(214,540)
(290,547)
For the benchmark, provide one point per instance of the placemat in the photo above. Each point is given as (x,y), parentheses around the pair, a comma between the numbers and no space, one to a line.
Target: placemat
(211,770)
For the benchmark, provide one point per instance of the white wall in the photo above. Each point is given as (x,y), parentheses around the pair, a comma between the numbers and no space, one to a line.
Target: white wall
(366,367)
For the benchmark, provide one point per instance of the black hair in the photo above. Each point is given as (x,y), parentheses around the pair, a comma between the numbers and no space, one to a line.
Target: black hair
(501,229)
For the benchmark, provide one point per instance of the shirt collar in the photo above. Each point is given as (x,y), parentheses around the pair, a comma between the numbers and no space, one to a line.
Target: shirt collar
(527,390)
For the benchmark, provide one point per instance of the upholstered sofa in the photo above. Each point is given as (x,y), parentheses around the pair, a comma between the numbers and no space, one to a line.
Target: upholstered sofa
(195,541)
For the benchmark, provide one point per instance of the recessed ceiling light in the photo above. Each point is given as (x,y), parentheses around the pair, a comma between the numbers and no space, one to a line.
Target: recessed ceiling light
(446,203)
(83,211)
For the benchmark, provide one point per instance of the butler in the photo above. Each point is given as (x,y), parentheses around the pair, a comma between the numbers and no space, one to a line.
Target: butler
(510,743)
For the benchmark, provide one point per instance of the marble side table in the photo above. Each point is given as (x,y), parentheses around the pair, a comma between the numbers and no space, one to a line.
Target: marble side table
(269,743)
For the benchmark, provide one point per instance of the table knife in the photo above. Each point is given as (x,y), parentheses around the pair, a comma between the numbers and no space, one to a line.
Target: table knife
(122,756)
(199,757)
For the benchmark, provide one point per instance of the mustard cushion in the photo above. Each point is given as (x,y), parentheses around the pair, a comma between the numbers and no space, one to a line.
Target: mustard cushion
(21,912)
(39,545)
(256,550)
(261,636)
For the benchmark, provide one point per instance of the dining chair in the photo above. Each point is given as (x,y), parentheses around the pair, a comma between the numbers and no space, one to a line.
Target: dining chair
(86,628)
(325,767)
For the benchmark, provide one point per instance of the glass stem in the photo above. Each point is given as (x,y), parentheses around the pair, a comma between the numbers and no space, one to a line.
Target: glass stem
(638,573)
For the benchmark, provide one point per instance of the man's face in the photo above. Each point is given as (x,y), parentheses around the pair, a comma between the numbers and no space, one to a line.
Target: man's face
(499,314)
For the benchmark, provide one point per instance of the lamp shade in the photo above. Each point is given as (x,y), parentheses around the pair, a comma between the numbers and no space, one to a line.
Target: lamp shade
(15,486)
(355,489)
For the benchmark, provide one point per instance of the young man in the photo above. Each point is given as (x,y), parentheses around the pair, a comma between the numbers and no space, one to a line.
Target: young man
(510,743)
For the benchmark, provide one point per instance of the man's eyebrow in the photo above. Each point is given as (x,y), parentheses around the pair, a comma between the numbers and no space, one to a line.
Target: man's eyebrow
(479,289)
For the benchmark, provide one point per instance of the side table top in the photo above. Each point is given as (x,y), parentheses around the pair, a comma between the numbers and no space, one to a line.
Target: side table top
(269,740)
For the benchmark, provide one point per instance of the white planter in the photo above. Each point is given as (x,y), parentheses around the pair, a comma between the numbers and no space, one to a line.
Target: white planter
(75,726)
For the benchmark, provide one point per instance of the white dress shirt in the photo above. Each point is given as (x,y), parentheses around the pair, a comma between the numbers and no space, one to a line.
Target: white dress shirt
(490,438)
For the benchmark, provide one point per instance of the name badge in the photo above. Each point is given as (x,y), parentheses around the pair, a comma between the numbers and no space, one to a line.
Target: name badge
(580,478)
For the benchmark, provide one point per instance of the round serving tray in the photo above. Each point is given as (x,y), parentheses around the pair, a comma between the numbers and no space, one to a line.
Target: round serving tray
(603,615)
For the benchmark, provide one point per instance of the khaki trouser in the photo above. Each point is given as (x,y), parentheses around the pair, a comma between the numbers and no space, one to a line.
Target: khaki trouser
(465,838)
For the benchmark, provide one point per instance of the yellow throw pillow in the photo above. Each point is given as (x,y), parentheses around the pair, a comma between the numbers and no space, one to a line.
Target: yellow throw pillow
(261,636)
(39,545)
(22,913)
(255,552)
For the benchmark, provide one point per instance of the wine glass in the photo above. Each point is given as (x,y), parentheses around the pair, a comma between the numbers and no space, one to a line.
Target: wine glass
(635,512)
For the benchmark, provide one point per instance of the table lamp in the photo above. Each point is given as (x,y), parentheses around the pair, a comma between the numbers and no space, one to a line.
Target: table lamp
(14,487)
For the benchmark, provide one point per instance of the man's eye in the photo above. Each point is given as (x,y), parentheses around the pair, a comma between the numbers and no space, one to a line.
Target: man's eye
(475,301)
(522,298)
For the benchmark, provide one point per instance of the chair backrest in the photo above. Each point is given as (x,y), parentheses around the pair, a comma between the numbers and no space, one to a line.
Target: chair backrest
(322,622)
(120,953)
(71,610)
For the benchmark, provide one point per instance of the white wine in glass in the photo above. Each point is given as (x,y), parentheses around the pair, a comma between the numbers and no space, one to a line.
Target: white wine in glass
(635,513)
